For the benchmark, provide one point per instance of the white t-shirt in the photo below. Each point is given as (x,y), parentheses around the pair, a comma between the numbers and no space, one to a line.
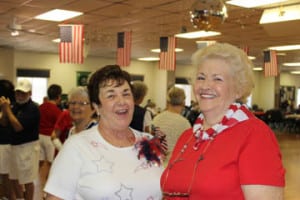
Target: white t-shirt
(171,124)
(88,167)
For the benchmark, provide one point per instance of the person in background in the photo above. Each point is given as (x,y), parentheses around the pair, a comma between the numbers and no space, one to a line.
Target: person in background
(7,92)
(297,111)
(61,128)
(79,116)
(170,121)
(49,111)
(107,161)
(81,112)
(141,117)
(228,153)
(23,117)
(151,107)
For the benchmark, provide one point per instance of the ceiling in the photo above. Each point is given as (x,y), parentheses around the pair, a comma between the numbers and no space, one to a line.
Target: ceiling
(148,20)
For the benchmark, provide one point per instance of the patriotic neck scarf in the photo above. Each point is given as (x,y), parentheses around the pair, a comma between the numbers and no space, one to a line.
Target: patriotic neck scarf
(234,115)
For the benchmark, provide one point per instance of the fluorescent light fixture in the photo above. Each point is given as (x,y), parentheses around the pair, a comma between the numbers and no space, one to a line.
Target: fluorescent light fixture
(197,34)
(285,47)
(257,69)
(58,15)
(158,50)
(15,33)
(280,54)
(149,59)
(252,3)
(251,57)
(294,64)
(280,14)
(56,40)
(295,72)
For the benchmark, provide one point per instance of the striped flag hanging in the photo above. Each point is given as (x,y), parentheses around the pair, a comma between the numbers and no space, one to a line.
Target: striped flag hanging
(167,56)
(245,48)
(71,43)
(124,48)
(270,63)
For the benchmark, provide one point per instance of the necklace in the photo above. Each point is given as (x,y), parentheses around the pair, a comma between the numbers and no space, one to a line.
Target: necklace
(179,158)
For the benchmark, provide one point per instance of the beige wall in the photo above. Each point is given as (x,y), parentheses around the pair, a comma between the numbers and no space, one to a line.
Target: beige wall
(6,63)
(157,80)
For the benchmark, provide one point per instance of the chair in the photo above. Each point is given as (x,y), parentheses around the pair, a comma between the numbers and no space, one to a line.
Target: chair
(274,118)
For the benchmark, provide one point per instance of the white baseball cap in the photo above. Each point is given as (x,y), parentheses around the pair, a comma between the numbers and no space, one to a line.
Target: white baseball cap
(23,85)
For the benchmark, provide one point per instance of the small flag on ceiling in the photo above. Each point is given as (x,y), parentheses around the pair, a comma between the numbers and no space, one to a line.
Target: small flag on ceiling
(270,63)
(245,48)
(167,56)
(124,48)
(71,43)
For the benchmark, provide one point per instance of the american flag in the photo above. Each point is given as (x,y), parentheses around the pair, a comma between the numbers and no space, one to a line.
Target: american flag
(245,48)
(124,48)
(167,56)
(71,44)
(270,63)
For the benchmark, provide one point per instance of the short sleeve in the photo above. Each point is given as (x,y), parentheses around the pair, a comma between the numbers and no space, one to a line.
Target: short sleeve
(260,158)
(64,172)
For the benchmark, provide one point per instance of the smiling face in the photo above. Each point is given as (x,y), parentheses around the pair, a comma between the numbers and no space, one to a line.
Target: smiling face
(214,87)
(117,105)
(80,108)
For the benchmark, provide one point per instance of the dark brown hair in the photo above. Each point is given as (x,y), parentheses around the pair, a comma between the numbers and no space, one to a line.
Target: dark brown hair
(101,78)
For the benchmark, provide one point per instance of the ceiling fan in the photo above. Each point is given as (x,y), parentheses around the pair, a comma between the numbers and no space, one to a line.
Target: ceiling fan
(15,29)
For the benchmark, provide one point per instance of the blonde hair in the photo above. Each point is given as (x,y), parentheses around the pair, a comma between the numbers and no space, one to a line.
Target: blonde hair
(240,66)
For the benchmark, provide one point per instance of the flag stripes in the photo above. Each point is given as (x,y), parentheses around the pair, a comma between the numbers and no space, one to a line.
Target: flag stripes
(270,63)
(245,48)
(167,56)
(124,48)
(71,44)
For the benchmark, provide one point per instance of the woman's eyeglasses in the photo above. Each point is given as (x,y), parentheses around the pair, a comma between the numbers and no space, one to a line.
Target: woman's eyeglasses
(80,103)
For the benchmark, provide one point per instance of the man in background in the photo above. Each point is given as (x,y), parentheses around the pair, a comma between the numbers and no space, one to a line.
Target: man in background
(49,111)
(23,117)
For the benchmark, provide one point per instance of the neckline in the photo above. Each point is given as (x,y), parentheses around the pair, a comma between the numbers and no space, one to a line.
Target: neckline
(113,141)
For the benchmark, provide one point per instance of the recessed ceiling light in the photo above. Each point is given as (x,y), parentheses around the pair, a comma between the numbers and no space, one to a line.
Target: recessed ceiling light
(293,64)
(149,59)
(280,54)
(197,34)
(252,3)
(295,72)
(257,68)
(57,40)
(58,15)
(158,50)
(285,47)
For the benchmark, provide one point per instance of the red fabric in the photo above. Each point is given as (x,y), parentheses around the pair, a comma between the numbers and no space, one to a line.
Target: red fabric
(49,114)
(63,123)
(247,153)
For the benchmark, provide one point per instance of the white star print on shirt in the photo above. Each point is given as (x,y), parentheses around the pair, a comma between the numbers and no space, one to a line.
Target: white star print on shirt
(124,193)
(104,165)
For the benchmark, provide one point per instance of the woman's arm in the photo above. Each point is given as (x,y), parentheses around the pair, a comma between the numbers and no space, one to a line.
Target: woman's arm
(52,197)
(262,192)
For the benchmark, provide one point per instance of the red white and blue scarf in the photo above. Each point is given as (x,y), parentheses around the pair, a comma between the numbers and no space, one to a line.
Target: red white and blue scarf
(235,114)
